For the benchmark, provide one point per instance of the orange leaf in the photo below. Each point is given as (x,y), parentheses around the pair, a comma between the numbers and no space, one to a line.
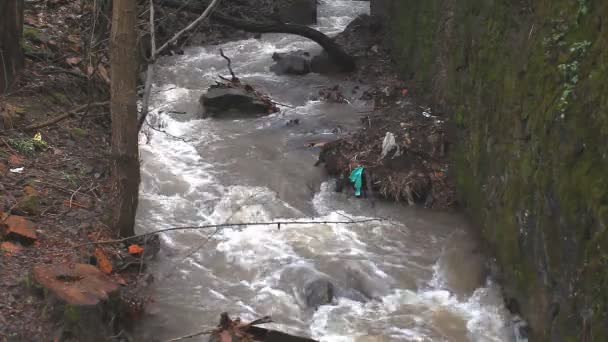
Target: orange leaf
(135,250)
(103,262)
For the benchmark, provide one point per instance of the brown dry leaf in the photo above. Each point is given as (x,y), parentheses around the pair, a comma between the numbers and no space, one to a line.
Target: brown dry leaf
(29,190)
(74,39)
(120,280)
(73,60)
(103,72)
(10,248)
(90,70)
(103,262)
(15,160)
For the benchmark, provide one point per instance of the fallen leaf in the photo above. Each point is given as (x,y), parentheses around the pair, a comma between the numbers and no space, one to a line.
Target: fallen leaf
(20,229)
(15,160)
(103,72)
(10,248)
(73,60)
(120,280)
(90,70)
(135,250)
(103,262)
(29,190)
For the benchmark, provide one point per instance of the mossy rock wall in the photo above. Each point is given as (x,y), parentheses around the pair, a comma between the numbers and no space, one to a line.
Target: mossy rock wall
(526,83)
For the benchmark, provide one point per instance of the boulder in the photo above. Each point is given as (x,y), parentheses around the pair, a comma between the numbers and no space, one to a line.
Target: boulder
(310,287)
(220,102)
(303,12)
(294,63)
(362,279)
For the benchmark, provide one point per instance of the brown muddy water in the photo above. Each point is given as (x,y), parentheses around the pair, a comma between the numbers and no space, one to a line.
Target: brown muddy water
(421,269)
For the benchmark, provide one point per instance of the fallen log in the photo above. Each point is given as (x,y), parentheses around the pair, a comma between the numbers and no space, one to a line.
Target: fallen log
(268,335)
(335,52)
(230,330)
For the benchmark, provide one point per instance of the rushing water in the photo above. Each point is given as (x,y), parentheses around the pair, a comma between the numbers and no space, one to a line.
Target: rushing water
(422,268)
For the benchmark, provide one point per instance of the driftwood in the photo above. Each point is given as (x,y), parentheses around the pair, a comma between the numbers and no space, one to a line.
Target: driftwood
(335,52)
(235,331)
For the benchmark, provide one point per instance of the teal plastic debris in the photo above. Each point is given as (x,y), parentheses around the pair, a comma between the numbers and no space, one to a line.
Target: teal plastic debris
(356,177)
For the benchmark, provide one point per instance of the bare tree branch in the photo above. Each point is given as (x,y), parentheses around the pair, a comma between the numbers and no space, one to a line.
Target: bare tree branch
(192,25)
(156,52)
(150,73)
(226,225)
(234,78)
(65,116)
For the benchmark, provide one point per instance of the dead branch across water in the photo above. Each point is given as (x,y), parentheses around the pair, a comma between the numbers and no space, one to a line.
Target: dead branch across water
(227,225)
(230,330)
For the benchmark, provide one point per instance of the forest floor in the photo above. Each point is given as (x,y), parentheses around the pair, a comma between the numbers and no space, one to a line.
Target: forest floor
(54,180)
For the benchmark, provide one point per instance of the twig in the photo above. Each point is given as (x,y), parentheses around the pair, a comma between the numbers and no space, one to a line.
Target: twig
(65,116)
(74,194)
(150,72)
(8,146)
(192,25)
(234,78)
(282,104)
(165,132)
(263,320)
(225,225)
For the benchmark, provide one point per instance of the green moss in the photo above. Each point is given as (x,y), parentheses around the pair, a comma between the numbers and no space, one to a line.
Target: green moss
(31,33)
(28,146)
(30,204)
(71,314)
(78,133)
(527,84)
(59,97)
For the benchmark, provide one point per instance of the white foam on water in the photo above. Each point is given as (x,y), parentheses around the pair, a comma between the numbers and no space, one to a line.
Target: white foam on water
(240,270)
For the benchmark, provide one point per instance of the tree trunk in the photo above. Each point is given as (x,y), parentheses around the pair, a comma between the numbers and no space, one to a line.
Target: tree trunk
(11,26)
(125,157)
(335,52)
